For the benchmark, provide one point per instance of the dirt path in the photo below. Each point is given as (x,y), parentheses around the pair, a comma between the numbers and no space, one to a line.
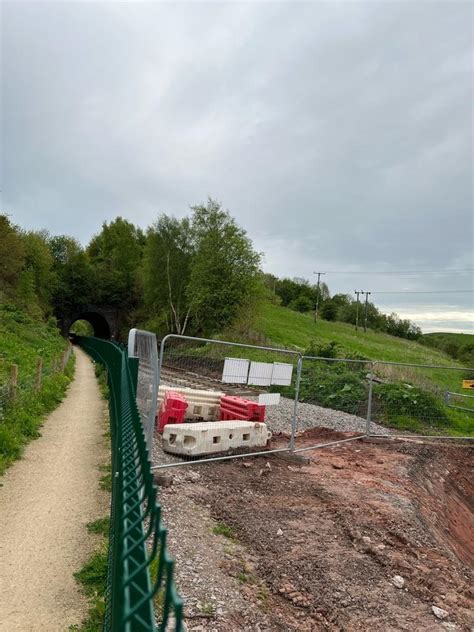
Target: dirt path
(46,499)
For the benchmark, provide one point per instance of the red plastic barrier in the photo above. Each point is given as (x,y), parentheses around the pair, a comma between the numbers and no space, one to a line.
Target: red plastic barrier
(232,407)
(172,411)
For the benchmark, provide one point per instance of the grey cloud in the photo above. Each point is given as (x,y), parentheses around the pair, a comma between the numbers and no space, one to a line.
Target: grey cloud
(339,134)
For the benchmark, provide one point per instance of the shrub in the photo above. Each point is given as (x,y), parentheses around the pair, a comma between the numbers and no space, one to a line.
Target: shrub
(410,402)
(301,304)
(335,387)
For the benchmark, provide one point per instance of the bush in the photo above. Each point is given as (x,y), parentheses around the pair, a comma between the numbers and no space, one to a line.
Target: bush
(328,350)
(334,387)
(301,304)
(409,402)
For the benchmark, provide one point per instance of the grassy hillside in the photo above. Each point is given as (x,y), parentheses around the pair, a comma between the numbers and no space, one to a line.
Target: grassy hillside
(418,406)
(292,329)
(458,346)
(22,340)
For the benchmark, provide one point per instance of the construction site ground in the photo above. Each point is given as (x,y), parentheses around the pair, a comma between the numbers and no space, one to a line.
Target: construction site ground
(365,536)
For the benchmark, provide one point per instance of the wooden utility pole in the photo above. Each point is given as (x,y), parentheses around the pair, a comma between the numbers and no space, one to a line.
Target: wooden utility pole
(317,295)
(357,293)
(367,294)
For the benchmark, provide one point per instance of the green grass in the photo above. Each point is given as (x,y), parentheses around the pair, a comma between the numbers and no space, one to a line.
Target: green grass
(225,530)
(293,330)
(22,340)
(99,526)
(93,579)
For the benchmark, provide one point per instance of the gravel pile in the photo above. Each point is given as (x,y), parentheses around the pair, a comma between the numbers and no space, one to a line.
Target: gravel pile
(279,418)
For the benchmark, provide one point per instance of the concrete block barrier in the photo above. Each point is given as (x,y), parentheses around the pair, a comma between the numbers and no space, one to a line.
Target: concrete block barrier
(232,407)
(204,438)
(202,405)
(172,410)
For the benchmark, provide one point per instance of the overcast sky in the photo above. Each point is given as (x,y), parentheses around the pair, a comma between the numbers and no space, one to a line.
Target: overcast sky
(340,135)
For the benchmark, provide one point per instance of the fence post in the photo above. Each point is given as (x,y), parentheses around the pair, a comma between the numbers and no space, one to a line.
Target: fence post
(13,380)
(39,371)
(369,402)
(295,408)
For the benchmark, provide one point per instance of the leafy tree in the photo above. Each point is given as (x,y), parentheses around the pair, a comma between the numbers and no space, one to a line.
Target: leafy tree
(38,271)
(224,270)
(167,262)
(75,283)
(115,254)
(329,310)
(12,255)
(301,304)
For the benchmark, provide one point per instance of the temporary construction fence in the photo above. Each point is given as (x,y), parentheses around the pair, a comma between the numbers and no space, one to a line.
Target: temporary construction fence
(142,345)
(225,371)
(138,574)
(363,397)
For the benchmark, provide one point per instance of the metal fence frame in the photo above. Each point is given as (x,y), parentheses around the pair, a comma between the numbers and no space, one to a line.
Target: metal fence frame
(370,364)
(135,515)
(420,366)
(290,352)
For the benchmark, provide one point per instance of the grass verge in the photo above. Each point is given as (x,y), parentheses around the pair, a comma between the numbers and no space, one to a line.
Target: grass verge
(21,420)
(93,575)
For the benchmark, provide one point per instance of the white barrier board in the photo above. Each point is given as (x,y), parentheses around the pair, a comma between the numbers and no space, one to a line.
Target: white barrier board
(269,399)
(260,373)
(282,374)
(235,371)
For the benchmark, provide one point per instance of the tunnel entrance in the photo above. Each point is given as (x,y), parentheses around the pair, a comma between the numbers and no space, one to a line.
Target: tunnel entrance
(98,325)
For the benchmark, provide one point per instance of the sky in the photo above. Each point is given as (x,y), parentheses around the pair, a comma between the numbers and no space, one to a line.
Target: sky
(339,135)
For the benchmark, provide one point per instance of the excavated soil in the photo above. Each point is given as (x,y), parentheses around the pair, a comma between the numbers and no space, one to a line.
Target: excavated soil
(318,545)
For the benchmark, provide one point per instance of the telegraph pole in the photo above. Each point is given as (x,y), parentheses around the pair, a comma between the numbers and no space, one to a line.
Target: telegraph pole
(317,295)
(357,308)
(367,294)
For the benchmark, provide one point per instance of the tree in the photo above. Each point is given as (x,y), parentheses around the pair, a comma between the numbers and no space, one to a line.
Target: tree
(224,270)
(329,310)
(115,254)
(75,283)
(166,271)
(301,304)
(38,273)
(12,255)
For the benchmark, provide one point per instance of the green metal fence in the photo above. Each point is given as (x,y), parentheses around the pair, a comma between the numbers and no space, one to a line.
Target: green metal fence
(141,594)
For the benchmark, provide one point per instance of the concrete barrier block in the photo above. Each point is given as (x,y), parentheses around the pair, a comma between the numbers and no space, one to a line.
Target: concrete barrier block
(211,438)
(202,405)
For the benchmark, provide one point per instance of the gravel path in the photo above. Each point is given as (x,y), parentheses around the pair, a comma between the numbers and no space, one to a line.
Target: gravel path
(279,417)
(46,499)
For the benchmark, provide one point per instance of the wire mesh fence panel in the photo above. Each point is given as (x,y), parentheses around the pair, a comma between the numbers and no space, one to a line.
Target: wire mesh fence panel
(416,399)
(140,584)
(219,399)
(460,401)
(334,396)
(142,345)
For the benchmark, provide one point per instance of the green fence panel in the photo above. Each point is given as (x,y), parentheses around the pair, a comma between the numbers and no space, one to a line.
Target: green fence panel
(136,601)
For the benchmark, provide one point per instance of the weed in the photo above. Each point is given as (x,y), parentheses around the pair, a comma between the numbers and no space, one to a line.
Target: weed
(243,578)
(225,530)
(208,608)
(99,526)
(93,574)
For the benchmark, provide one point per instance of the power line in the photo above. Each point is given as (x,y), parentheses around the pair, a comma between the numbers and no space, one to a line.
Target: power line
(419,272)
(427,292)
